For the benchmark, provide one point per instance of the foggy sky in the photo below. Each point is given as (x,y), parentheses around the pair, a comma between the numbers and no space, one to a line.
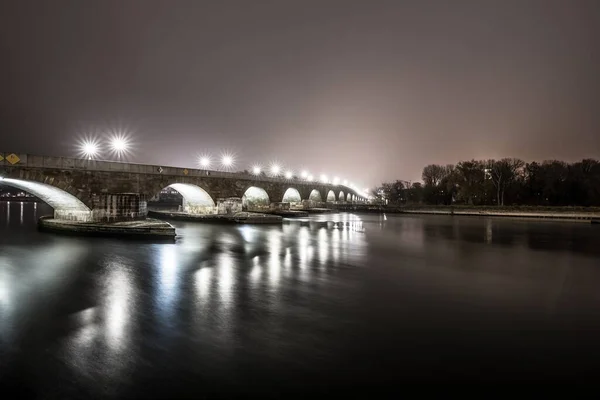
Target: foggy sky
(366,90)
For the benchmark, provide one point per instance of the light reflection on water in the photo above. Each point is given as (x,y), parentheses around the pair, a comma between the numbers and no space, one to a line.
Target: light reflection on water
(233,302)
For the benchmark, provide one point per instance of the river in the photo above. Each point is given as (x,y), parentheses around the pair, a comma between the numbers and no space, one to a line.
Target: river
(298,308)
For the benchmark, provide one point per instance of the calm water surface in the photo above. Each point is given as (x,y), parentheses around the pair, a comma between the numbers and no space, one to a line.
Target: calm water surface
(296,308)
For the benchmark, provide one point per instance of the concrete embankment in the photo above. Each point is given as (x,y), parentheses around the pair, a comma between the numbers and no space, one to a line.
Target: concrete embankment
(139,229)
(237,218)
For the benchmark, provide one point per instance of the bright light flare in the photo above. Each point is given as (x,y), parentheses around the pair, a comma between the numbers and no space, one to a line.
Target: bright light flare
(256,170)
(336,180)
(119,145)
(324,178)
(275,169)
(227,161)
(288,175)
(89,148)
(204,161)
(304,174)
(345,182)
(310,178)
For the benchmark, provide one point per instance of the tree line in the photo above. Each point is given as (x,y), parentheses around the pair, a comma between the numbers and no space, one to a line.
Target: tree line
(509,181)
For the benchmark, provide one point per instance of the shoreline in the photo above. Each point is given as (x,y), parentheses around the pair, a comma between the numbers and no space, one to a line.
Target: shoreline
(592,216)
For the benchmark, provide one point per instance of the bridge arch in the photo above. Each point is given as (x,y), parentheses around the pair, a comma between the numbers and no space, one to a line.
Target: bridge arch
(65,205)
(291,195)
(341,196)
(349,197)
(195,199)
(255,198)
(330,196)
(315,195)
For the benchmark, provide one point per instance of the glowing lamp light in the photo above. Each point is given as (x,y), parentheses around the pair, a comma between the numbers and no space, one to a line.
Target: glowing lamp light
(288,175)
(336,180)
(256,170)
(204,162)
(119,145)
(310,178)
(304,174)
(89,149)
(345,182)
(275,169)
(324,178)
(227,161)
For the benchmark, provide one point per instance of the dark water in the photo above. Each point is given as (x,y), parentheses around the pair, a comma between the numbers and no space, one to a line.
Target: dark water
(298,308)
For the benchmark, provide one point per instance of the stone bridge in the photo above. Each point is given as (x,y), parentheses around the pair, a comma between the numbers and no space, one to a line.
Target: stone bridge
(90,190)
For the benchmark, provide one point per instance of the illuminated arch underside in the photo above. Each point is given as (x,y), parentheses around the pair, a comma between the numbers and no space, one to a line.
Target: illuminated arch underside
(193,195)
(53,196)
(65,205)
(315,195)
(292,196)
(255,197)
(330,196)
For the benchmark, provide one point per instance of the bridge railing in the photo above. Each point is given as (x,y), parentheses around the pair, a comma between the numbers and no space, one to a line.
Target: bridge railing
(67,163)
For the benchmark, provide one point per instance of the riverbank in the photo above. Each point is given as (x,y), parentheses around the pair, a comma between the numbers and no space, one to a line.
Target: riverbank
(580,214)
(139,229)
(237,218)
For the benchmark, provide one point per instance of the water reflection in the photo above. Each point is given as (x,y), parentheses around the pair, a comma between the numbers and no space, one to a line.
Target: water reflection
(226,300)
(119,306)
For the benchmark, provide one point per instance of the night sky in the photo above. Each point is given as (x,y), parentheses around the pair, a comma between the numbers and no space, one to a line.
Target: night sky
(366,90)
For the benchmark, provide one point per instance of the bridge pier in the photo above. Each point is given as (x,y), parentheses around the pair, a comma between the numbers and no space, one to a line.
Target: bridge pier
(229,205)
(117,207)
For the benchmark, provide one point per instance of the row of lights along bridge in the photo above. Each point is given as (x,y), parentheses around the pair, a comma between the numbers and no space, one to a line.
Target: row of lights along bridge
(120,146)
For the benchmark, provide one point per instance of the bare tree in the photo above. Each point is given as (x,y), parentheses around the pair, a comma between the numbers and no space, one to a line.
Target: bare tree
(433,174)
(503,173)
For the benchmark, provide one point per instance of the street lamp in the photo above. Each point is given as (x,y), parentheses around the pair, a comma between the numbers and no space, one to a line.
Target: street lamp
(288,175)
(256,170)
(324,178)
(310,178)
(336,180)
(304,174)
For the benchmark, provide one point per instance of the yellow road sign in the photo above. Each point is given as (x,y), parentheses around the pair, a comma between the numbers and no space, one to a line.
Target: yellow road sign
(13,158)
(185,171)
